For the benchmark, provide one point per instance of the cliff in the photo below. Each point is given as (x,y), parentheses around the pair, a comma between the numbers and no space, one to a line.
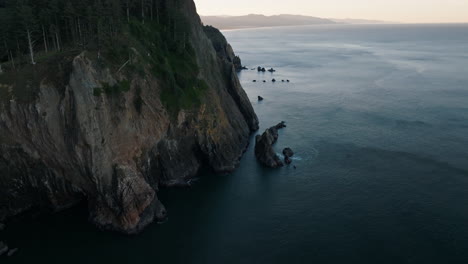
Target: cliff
(74,129)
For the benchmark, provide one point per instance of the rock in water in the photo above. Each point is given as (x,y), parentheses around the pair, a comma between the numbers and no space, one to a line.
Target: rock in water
(3,248)
(12,252)
(287,152)
(281,125)
(273,80)
(264,147)
(260,98)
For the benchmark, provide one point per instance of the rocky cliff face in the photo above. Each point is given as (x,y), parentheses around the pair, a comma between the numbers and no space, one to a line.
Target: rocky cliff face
(69,144)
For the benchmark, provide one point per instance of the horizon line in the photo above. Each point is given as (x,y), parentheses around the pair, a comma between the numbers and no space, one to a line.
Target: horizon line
(347,18)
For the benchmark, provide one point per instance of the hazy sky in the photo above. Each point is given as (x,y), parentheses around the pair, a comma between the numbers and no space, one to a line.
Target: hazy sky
(411,11)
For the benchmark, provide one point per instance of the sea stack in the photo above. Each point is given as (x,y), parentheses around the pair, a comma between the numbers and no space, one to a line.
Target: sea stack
(264,151)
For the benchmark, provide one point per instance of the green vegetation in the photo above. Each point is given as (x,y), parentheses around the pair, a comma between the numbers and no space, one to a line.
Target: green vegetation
(187,98)
(120,87)
(131,37)
(23,83)
(138,101)
(171,59)
(97,91)
(123,86)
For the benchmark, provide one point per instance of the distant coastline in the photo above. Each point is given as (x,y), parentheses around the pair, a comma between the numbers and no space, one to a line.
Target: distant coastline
(343,25)
(261,21)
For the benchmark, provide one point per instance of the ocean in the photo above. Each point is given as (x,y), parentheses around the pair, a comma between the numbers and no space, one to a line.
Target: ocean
(378,118)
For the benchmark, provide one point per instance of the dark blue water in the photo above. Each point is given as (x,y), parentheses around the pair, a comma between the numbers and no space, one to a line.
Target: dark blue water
(378,117)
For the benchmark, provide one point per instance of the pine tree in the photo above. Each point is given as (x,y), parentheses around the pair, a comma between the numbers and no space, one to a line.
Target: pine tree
(55,26)
(28,21)
(44,18)
(89,24)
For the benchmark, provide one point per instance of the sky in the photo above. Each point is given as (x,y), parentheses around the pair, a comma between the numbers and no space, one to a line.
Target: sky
(406,11)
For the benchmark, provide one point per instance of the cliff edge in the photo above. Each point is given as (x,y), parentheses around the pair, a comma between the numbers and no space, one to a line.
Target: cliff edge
(112,136)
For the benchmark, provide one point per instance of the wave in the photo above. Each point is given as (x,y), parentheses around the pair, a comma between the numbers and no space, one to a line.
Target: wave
(304,155)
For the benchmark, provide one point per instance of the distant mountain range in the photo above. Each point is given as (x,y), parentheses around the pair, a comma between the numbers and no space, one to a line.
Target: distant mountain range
(253,21)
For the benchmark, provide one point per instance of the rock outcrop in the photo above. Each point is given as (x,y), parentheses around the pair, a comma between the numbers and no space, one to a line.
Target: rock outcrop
(223,48)
(264,147)
(67,143)
(11,252)
(288,153)
(3,248)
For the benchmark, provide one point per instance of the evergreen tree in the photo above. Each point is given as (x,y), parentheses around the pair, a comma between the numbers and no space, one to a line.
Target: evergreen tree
(28,22)
(30,26)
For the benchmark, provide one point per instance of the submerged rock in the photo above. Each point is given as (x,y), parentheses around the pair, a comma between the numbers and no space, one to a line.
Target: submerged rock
(264,147)
(12,252)
(3,248)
